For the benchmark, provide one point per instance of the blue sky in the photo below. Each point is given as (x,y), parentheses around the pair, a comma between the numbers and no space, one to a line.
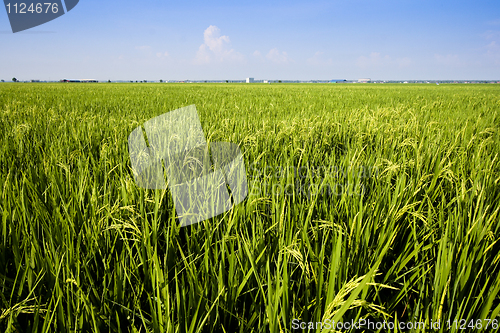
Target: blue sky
(340,39)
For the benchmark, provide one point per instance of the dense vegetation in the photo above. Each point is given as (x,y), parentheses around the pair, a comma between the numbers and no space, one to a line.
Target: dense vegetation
(367,201)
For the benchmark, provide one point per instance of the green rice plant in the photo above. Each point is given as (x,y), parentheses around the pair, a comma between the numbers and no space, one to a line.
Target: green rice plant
(366,202)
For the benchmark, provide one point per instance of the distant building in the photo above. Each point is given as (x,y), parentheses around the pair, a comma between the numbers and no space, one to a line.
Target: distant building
(250,80)
(337,81)
(364,80)
(76,81)
(35,80)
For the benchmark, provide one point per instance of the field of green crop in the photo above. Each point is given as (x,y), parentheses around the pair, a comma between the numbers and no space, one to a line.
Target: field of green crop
(367,201)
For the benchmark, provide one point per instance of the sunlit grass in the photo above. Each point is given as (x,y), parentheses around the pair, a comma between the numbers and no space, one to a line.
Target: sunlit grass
(366,201)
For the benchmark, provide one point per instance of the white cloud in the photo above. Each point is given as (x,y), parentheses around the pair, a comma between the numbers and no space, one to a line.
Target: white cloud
(318,59)
(257,54)
(493,46)
(279,58)
(216,48)
(203,55)
(403,62)
(143,47)
(162,54)
(379,61)
(493,52)
(494,22)
(373,60)
(491,34)
(448,60)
